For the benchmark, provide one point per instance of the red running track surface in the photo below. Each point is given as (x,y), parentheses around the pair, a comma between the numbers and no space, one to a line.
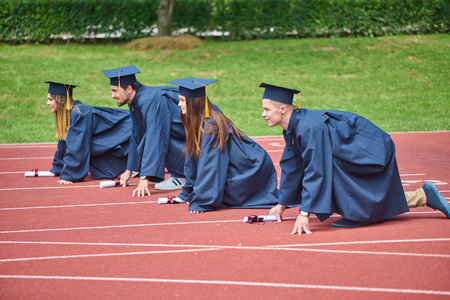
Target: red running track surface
(83,242)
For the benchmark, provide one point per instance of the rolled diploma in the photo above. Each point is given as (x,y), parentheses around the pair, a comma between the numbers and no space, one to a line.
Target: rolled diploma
(110,183)
(39,174)
(266,218)
(165,200)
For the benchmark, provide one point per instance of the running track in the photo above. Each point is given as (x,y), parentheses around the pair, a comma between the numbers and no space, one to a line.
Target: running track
(83,242)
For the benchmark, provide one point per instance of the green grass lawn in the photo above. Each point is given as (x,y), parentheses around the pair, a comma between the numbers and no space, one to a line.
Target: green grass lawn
(399,83)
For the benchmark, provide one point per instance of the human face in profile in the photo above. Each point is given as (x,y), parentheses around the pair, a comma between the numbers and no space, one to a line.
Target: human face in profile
(51,102)
(182,104)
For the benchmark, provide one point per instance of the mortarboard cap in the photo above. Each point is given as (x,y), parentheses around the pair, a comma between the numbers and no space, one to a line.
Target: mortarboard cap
(60,88)
(278,93)
(124,74)
(192,87)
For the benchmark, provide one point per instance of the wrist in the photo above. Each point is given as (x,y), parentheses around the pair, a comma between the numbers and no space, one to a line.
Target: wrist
(304,213)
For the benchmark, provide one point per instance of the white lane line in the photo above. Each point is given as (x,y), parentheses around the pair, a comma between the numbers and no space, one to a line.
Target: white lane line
(28,145)
(232,283)
(52,187)
(364,252)
(104,254)
(167,224)
(21,158)
(262,139)
(365,242)
(412,175)
(9,173)
(222,246)
(119,226)
(252,248)
(107,244)
(78,205)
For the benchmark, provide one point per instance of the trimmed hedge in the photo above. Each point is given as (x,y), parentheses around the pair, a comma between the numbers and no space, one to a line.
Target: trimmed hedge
(44,21)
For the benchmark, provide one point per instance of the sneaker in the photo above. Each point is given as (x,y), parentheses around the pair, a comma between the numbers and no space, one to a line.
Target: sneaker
(134,174)
(348,223)
(171,183)
(435,199)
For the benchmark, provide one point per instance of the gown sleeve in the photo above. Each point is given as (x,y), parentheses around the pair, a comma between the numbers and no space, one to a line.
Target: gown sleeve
(291,177)
(78,141)
(134,159)
(211,176)
(58,160)
(155,142)
(318,169)
(190,173)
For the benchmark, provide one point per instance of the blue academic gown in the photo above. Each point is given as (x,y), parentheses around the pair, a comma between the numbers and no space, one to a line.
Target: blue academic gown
(339,162)
(158,136)
(243,176)
(97,142)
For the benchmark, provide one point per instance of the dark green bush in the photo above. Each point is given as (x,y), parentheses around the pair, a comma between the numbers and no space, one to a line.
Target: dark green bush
(81,20)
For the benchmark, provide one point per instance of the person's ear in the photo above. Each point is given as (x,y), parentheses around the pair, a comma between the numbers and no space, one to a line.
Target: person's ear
(129,89)
(283,109)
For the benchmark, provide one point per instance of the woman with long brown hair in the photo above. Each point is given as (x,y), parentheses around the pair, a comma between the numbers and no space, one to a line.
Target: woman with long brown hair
(224,168)
(91,139)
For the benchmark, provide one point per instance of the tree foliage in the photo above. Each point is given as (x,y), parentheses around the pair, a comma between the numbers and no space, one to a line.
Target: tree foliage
(45,21)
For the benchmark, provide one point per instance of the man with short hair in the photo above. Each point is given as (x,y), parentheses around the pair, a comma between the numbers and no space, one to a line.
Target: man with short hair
(157,139)
(338,162)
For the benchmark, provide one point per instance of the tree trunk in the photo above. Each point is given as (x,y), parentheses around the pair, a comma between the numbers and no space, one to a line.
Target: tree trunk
(165,13)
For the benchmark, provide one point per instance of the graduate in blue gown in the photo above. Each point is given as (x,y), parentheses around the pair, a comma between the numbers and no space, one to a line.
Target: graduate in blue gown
(224,168)
(338,162)
(157,139)
(92,139)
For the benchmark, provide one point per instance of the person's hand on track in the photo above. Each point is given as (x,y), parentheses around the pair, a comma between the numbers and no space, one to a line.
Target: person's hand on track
(301,224)
(278,211)
(142,188)
(62,181)
(125,177)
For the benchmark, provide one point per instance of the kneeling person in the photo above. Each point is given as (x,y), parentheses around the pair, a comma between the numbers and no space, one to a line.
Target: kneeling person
(338,162)
(224,168)
(91,139)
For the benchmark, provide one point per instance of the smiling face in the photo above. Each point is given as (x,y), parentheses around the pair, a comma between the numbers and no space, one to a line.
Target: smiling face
(115,94)
(272,112)
(182,104)
(51,102)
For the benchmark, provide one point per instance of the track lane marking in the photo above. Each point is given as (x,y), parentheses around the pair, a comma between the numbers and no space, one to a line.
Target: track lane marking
(22,158)
(78,205)
(366,242)
(105,254)
(172,223)
(119,226)
(233,283)
(51,187)
(215,247)
(205,246)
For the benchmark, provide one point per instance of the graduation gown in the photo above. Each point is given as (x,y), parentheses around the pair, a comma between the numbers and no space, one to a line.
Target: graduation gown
(243,176)
(158,136)
(97,142)
(339,162)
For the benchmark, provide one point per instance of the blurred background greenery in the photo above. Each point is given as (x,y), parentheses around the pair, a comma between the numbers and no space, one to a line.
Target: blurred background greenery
(400,83)
(387,60)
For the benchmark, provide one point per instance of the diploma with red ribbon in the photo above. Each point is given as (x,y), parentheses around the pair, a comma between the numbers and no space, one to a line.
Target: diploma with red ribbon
(170,200)
(257,219)
(111,183)
(36,173)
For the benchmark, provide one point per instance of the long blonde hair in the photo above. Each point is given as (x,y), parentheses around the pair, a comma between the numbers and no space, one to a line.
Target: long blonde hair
(62,115)
(194,121)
